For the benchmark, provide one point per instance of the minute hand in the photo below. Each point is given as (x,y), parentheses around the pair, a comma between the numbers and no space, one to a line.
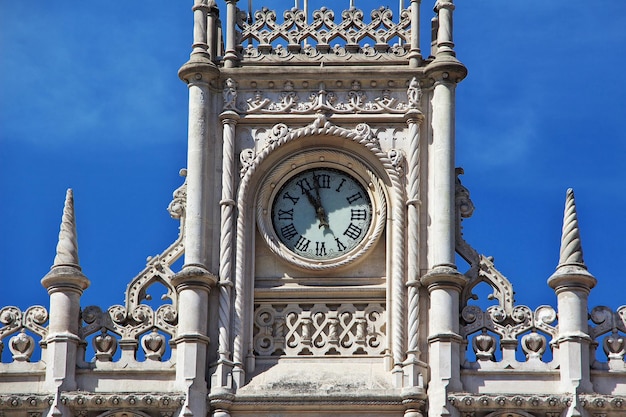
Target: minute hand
(321,213)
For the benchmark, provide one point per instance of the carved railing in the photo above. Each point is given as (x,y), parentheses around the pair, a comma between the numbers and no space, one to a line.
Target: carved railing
(319,330)
(609,334)
(265,39)
(137,324)
(504,325)
(17,323)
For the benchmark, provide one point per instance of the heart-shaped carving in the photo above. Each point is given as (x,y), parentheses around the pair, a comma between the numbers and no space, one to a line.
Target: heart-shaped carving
(21,343)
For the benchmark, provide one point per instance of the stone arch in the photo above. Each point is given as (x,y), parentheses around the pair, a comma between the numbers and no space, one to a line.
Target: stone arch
(362,140)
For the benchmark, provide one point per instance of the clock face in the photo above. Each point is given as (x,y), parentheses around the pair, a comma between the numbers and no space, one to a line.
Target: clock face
(321,213)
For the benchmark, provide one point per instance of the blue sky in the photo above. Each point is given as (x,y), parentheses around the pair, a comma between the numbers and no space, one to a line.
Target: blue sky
(90,99)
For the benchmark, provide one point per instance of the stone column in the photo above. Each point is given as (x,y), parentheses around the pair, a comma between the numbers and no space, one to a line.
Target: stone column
(222,379)
(443,281)
(441,200)
(415,54)
(213,15)
(445,43)
(414,370)
(230,55)
(200,35)
(193,283)
(65,284)
(572,283)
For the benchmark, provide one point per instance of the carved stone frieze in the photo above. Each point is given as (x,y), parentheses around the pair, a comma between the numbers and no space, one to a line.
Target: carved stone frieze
(318,330)
(338,100)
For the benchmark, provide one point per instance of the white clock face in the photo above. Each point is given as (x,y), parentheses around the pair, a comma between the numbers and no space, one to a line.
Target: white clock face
(321,213)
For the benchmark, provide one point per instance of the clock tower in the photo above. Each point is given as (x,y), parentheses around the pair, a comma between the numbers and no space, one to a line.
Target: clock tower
(320,216)
(320,221)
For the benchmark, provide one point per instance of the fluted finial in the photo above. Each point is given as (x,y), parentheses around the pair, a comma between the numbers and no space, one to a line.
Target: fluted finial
(67,248)
(571,248)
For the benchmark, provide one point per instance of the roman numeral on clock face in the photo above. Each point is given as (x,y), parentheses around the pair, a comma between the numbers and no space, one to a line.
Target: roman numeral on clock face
(358,214)
(285,214)
(354,197)
(322,180)
(343,180)
(294,200)
(288,231)
(302,244)
(320,248)
(353,231)
(304,185)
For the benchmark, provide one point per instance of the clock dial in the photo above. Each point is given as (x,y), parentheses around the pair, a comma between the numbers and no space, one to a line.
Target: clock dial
(321,213)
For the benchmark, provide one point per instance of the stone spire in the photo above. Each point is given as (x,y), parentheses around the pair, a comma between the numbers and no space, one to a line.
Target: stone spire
(571,263)
(571,249)
(67,247)
(66,270)
(65,284)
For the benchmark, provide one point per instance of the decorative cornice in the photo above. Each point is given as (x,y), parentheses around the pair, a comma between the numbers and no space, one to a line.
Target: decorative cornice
(492,402)
(82,401)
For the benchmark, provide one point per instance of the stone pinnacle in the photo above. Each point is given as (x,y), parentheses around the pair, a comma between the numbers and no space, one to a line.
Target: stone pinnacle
(67,247)
(571,253)
(571,271)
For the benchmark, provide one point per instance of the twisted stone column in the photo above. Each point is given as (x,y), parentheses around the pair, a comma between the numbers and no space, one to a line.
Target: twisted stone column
(221,384)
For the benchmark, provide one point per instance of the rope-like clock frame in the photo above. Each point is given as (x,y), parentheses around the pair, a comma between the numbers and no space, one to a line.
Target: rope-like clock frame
(312,159)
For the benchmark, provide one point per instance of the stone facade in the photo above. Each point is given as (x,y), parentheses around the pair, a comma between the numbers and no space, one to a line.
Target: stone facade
(364,313)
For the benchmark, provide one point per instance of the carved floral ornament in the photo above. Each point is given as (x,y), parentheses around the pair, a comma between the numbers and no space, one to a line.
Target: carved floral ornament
(355,99)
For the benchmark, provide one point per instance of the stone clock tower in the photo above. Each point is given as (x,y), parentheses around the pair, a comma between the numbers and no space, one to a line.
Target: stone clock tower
(320,222)
(321,207)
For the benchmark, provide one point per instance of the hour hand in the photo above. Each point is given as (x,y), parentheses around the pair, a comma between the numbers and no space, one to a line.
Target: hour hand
(321,216)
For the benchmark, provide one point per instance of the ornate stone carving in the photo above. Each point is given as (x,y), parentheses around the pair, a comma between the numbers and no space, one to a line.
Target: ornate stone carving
(318,330)
(614,346)
(310,41)
(33,319)
(229,94)
(354,100)
(509,404)
(361,135)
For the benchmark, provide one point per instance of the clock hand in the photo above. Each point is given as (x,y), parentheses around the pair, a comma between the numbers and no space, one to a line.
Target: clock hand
(311,199)
(321,213)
